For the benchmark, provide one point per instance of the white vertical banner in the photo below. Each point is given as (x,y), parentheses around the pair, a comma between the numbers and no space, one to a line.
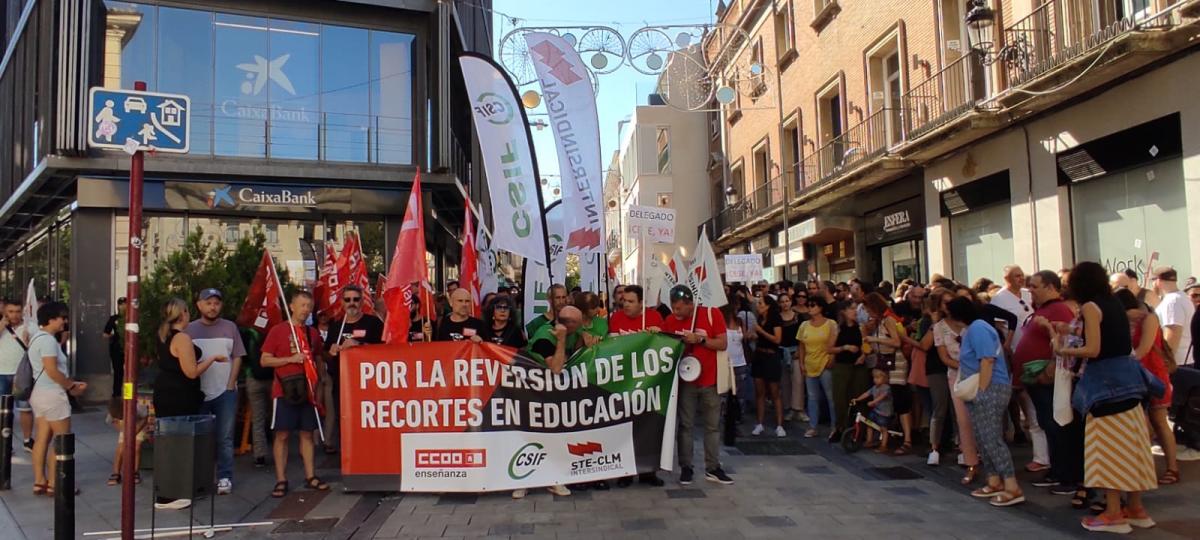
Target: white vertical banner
(536,288)
(571,104)
(489,269)
(508,160)
(591,272)
(705,278)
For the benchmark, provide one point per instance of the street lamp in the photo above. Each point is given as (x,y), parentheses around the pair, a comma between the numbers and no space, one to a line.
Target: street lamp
(980,19)
(731,196)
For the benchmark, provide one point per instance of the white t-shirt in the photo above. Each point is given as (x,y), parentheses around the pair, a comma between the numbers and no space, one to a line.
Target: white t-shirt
(1176,309)
(1021,306)
(42,345)
(218,339)
(944,336)
(10,350)
(737,355)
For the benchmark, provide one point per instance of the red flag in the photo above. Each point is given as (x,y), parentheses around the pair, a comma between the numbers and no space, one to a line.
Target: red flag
(329,284)
(408,266)
(261,309)
(469,262)
(356,270)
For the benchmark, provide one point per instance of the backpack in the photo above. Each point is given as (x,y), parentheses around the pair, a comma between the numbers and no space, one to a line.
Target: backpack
(24,380)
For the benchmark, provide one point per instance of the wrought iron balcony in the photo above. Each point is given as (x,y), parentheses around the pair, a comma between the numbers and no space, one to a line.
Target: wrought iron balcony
(944,96)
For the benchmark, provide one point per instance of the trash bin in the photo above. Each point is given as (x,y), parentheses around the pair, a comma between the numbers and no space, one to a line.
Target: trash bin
(184,456)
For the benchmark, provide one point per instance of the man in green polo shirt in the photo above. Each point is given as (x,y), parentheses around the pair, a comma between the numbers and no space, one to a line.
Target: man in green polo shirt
(558,299)
(553,344)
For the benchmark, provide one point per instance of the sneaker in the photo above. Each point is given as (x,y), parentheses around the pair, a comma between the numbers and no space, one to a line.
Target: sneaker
(788,416)
(177,504)
(1140,519)
(1046,481)
(685,476)
(717,475)
(1063,489)
(559,490)
(1103,523)
(1157,450)
(758,430)
(28,444)
(224,486)
(260,462)
(934,458)
(519,493)
(779,432)
(801,416)
(1183,454)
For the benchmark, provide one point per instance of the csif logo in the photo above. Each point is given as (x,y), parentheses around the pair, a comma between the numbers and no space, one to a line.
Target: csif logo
(494,108)
(526,461)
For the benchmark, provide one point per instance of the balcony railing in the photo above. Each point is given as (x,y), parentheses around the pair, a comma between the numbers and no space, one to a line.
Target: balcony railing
(867,140)
(1061,30)
(945,95)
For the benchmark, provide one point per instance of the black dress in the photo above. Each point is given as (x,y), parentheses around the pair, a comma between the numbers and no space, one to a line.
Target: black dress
(174,393)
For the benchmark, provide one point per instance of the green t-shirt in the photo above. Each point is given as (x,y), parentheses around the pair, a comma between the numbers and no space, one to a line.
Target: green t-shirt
(597,327)
(536,324)
(543,343)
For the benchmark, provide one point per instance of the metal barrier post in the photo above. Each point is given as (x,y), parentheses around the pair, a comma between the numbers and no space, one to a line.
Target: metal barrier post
(64,486)
(6,438)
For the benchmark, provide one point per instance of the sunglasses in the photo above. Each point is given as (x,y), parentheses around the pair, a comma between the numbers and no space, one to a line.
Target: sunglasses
(503,308)
(1023,305)
(352,299)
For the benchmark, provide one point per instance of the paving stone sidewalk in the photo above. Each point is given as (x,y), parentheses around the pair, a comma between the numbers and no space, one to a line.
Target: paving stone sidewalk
(790,488)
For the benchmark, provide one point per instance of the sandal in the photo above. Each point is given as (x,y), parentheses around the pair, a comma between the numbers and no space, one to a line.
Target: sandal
(1169,477)
(1079,501)
(281,489)
(315,483)
(39,489)
(114,479)
(987,492)
(972,472)
(904,450)
(1007,499)
(137,478)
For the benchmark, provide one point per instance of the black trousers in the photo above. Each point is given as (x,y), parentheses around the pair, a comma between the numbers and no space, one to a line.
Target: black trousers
(118,369)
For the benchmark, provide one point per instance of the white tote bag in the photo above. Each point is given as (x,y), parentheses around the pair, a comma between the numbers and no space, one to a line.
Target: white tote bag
(1063,414)
(966,389)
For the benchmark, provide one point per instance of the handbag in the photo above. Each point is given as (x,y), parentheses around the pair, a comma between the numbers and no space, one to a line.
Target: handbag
(1032,369)
(1063,379)
(966,389)
(295,385)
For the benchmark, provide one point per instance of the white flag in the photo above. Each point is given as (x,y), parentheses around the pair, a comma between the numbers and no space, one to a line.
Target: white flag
(489,270)
(704,278)
(508,160)
(674,274)
(29,310)
(571,104)
(536,288)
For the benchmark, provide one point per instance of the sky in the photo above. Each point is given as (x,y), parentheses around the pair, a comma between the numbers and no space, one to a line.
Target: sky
(620,91)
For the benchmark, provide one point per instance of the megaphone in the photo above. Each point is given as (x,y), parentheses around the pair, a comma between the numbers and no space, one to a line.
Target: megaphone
(689,368)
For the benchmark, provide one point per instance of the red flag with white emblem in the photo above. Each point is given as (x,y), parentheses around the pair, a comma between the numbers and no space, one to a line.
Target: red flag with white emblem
(408,266)
(330,281)
(261,309)
(469,271)
(356,270)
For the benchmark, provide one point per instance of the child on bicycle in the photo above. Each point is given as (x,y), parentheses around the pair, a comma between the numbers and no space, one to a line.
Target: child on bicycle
(881,410)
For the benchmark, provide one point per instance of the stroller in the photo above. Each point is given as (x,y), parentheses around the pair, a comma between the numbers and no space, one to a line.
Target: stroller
(855,435)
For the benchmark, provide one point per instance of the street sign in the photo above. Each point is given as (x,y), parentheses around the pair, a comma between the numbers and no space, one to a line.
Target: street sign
(658,222)
(134,120)
(743,268)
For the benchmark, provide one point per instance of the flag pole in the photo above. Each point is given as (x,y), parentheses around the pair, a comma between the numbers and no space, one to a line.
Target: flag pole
(644,279)
(287,312)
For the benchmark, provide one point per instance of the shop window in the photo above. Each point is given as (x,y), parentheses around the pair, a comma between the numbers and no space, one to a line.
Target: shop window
(982,243)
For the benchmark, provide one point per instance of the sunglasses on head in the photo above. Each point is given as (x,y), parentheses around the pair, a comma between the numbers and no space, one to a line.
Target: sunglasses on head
(352,299)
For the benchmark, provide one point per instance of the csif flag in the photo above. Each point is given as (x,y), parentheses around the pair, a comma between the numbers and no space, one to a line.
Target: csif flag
(469,273)
(261,309)
(408,267)
(356,270)
(704,278)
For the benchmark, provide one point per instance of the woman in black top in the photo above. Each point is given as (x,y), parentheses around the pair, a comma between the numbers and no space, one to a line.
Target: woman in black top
(499,326)
(177,387)
(792,384)
(766,366)
(936,393)
(1116,437)
(850,373)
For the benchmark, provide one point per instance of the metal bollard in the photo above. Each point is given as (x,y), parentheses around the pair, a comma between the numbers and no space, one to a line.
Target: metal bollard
(6,437)
(64,486)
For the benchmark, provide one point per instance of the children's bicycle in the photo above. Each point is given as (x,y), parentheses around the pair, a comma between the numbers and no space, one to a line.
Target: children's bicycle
(855,435)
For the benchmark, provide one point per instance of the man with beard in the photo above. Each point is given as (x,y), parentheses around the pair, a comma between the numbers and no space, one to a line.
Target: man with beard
(356,328)
(219,338)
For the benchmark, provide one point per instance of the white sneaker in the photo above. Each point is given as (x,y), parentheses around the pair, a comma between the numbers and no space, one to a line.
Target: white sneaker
(934,458)
(177,504)
(559,490)
(224,486)
(758,430)
(519,493)
(779,432)
(1157,450)
(1187,454)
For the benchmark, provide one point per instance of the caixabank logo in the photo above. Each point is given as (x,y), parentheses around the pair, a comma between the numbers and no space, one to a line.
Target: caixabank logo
(593,459)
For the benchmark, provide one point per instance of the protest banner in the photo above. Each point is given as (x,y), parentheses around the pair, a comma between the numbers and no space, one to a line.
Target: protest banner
(652,222)
(743,268)
(465,417)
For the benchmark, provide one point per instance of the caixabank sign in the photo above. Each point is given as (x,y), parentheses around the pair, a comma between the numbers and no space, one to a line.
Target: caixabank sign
(254,197)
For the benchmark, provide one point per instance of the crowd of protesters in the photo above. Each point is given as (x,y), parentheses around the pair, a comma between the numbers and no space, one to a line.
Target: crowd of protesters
(940,368)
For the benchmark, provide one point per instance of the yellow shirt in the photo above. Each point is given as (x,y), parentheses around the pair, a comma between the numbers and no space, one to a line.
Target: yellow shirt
(815,339)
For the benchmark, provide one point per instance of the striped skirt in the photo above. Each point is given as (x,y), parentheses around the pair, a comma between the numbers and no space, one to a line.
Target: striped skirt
(1116,452)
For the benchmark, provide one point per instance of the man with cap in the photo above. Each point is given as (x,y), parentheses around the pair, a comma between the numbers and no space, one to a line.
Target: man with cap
(703,334)
(216,338)
(1174,312)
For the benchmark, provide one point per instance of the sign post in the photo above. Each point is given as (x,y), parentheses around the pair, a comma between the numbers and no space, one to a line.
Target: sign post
(134,121)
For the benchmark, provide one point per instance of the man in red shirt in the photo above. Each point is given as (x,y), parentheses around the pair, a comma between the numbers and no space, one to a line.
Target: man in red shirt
(295,410)
(703,339)
(1064,472)
(633,314)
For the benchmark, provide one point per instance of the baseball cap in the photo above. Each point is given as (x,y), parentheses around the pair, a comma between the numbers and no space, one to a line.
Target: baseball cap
(1165,273)
(209,293)
(681,292)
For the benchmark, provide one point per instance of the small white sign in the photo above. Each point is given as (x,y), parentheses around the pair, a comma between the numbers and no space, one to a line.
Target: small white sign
(743,268)
(658,223)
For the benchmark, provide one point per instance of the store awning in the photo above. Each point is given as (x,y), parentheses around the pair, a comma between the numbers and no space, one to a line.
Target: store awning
(825,229)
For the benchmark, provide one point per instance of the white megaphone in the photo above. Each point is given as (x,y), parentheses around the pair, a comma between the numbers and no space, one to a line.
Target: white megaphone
(689,368)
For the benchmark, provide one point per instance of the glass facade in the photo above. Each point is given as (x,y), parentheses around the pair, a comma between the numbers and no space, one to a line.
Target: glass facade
(267,87)
(982,242)
(1122,219)
(46,259)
